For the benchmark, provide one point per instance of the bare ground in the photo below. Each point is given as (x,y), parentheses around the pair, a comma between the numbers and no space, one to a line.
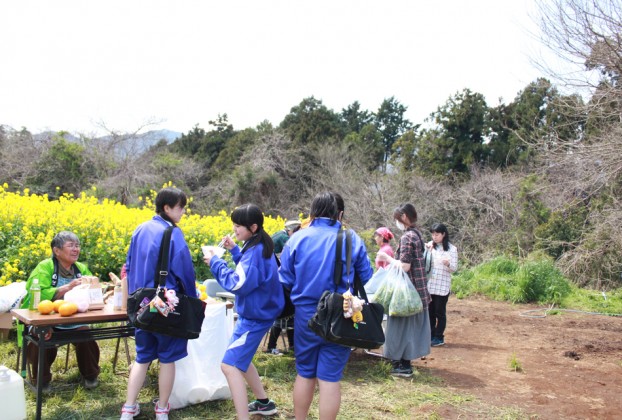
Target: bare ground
(571,363)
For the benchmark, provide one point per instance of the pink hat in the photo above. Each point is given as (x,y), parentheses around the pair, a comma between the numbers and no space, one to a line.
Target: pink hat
(384,232)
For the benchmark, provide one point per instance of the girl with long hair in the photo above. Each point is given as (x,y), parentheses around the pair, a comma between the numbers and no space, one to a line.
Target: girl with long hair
(258,299)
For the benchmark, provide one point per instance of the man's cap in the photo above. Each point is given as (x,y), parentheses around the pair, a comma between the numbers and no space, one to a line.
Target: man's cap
(292,224)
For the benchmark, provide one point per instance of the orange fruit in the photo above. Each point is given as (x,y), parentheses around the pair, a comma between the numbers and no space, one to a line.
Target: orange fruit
(45,307)
(68,309)
(57,304)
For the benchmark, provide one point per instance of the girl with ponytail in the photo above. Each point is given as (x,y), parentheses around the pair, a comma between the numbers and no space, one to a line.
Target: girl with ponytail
(258,299)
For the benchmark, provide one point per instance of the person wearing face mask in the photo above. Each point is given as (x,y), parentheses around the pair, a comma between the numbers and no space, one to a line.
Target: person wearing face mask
(408,338)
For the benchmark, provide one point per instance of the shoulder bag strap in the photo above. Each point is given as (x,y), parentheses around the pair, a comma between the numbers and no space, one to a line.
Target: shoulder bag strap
(427,255)
(162,268)
(420,240)
(338,263)
(358,289)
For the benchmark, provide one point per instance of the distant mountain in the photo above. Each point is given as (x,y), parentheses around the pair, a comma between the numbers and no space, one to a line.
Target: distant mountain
(143,140)
(154,136)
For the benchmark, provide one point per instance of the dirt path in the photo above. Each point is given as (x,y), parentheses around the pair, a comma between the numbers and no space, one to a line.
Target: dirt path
(571,363)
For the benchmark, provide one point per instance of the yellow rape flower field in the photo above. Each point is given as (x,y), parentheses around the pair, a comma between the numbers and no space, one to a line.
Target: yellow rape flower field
(28,222)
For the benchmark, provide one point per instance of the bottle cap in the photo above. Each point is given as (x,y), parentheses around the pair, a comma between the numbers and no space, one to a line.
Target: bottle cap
(4,374)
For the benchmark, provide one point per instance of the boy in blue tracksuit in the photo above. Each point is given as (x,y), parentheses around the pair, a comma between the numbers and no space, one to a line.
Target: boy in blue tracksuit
(307,265)
(259,300)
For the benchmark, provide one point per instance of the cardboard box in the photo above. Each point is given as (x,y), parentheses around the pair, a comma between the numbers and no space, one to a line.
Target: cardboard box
(6,323)
(6,320)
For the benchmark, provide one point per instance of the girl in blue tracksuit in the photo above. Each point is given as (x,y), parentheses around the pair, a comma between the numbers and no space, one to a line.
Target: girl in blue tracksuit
(307,265)
(259,300)
(141,266)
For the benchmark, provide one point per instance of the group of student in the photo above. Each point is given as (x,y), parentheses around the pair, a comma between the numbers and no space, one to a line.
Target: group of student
(260,282)
(305,271)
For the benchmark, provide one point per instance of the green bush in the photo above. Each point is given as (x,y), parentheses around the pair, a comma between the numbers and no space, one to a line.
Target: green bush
(531,280)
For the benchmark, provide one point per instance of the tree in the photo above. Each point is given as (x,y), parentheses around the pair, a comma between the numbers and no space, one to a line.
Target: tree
(190,143)
(205,146)
(405,151)
(391,123)
(19,153)
(539,113)
(311,122)
(354,118)
(457,140)
(369,140)
(65,166)
(587,35)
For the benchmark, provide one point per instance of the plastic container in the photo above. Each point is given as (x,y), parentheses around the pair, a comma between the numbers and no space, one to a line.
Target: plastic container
(117,297)
(35,295)
(12,399)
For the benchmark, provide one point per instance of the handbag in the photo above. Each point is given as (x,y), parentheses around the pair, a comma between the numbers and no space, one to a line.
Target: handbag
(184,321)
(329,323)
(427,258)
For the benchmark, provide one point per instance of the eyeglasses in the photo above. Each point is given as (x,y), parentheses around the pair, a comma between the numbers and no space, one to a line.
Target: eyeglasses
(71,245)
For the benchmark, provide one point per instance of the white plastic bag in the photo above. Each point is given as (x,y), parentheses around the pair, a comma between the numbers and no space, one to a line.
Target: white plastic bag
(80,296)
(11,295)
(198,377)
(376,281)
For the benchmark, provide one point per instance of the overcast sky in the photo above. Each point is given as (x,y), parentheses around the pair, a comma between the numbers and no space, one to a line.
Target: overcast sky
(68,65)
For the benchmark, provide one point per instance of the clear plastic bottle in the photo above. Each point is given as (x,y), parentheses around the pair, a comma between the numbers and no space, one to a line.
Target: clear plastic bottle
(35,295)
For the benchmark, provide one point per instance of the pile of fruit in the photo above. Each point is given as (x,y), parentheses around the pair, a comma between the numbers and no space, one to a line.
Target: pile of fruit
(61,307)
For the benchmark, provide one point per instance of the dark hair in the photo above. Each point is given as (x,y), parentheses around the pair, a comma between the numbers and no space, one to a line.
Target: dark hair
(441,228)
(341,205)
(171,197)
(407,209)
(61,238)
(326,204)
(247,215)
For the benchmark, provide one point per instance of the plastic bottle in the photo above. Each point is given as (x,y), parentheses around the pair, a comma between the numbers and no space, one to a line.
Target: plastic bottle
(117,297)
(12,399)
(35,295)
(124,293)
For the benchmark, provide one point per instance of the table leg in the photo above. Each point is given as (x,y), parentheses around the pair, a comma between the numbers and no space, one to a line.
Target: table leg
(40,332)
(23,350)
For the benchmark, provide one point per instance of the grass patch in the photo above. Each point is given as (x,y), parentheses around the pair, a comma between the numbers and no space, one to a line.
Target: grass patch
(368,391)
(532,281)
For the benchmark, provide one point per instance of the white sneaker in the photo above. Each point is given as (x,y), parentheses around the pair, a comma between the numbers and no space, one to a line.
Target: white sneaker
(128,412)
(162,413)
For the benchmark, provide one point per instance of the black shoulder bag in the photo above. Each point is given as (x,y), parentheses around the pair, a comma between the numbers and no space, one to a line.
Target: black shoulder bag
(328,321)
(183,321)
